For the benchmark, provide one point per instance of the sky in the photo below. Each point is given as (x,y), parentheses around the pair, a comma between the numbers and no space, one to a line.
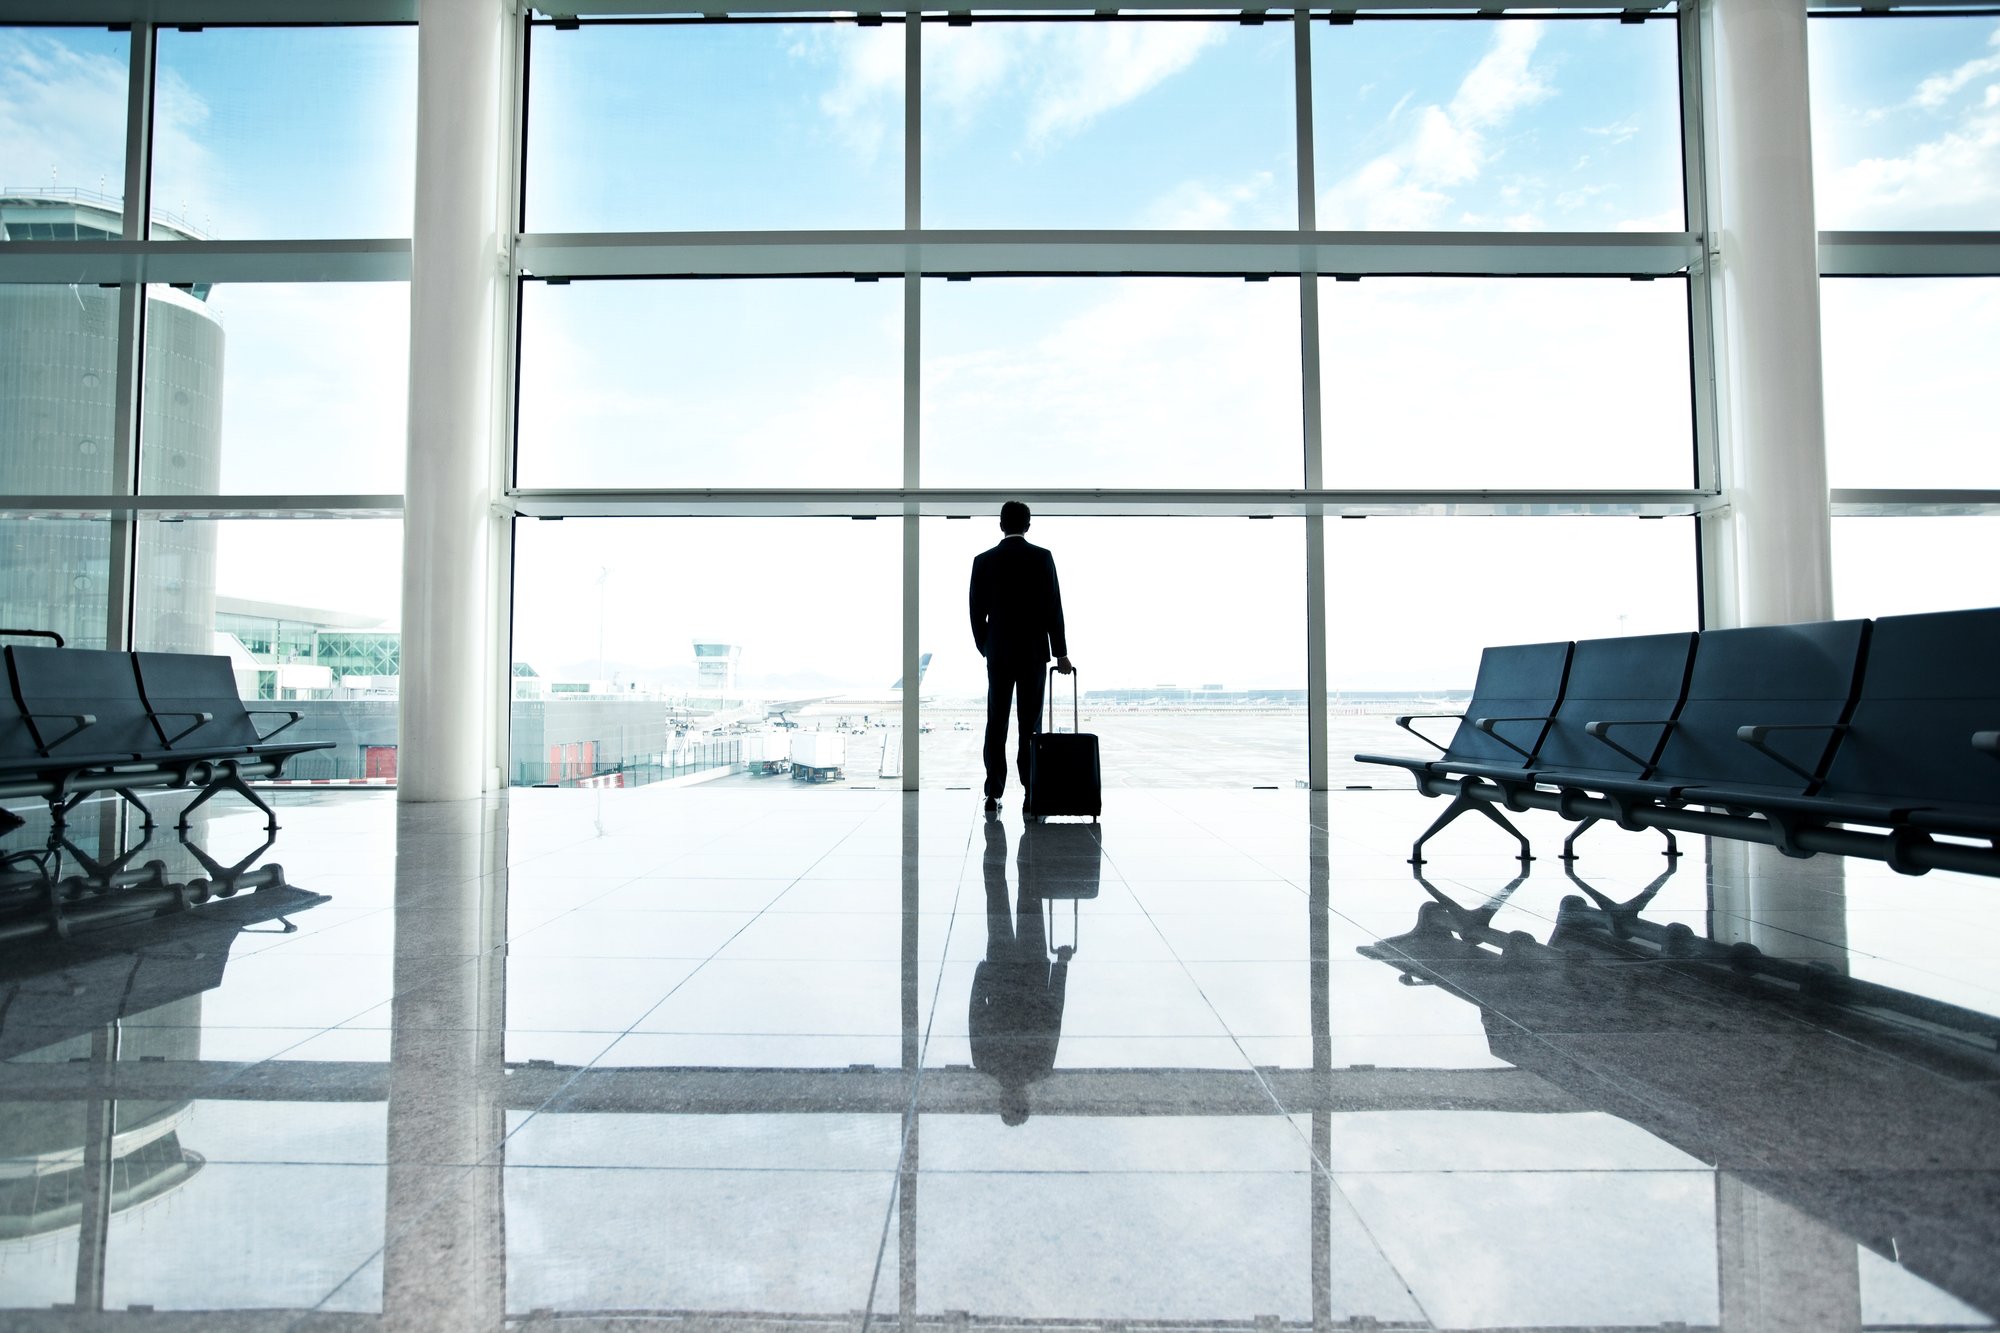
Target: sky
(1526,125)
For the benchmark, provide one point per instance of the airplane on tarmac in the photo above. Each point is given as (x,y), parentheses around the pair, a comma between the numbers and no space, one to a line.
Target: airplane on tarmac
(773,711)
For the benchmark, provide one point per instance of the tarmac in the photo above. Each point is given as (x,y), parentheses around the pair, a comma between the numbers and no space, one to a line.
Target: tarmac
(1139,747)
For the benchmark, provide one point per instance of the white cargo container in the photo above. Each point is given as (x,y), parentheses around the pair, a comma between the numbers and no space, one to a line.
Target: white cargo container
(764,753)
(817,756)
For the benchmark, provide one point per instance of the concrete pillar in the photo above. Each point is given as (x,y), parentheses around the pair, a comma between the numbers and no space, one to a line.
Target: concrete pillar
(1784,906)
(456,287)
(444,1256)
(1780,1270)
(1775,543)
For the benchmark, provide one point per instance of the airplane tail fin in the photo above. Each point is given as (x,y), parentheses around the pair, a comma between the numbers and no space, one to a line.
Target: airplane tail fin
(923,665)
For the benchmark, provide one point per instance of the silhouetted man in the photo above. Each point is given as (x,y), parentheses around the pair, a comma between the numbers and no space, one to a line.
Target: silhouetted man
(1015,1019)
(1017,621)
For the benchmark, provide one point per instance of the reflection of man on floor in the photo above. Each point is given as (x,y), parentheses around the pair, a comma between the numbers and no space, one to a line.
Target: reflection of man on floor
(1017,997)
(1017,621)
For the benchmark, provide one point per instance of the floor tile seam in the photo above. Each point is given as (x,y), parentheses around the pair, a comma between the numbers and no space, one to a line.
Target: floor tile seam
(755,917)
(1302,1134)
(1641,1094)
(567,912)
(886,1168)
(1942,976)
(1902,1061)
(569,1082)
(909,1119)
(390,1236)
(1295,1171)
(246,1067)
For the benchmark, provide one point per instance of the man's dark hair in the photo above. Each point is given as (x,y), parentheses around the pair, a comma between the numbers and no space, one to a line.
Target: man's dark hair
(1013,518)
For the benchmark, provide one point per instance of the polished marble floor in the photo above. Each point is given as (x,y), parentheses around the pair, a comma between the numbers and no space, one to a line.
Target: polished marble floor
(795,1059)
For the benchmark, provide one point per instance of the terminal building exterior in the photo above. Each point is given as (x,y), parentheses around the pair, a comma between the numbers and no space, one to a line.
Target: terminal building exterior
(58,412)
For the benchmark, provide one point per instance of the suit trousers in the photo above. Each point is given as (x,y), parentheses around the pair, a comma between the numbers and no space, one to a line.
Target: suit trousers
(1020,683)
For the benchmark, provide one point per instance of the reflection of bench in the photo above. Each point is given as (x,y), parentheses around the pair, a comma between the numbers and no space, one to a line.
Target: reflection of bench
(1861,738)
(78,721)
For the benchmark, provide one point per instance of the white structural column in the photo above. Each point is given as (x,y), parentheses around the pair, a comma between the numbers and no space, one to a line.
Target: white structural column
(1776,548)
(456,284)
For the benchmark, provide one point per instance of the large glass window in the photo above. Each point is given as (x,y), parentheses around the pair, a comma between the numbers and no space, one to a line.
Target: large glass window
(1514,125)
(655,127)
(1407,619)
(55,574)
(1188,636)
(285,132)
(647,649)
(308,613)
(1911,410)
(1902,566)
(1112,382)
(276,388)
(1906,122)
(1514,383)
(764,382)
(1148,123)
(62,133)
(58,389)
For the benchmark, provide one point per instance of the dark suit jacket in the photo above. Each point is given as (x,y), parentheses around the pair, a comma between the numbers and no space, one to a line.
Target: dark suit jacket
(1017,613)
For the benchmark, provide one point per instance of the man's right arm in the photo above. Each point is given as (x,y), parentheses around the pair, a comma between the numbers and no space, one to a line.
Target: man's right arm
(976,598)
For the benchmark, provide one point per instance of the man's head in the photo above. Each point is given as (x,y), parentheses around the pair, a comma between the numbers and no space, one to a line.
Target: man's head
(1014,518)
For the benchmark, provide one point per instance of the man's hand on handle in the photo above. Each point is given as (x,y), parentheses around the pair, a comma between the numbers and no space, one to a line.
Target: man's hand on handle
(1062,665)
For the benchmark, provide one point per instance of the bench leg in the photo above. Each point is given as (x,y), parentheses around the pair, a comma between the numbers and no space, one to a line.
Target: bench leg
(1569,844)
(59,809)
(139,805)
(230,782)
(1459,805)
(223,880)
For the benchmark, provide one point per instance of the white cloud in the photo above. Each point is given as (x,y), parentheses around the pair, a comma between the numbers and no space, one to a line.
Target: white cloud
(1618,132)
(1950,181)
(865,103)
(62,115)
(1069,74)
(1935,91)
(182,158)
(1201,206)
(1099,67)
(1502,82)
(1411,185)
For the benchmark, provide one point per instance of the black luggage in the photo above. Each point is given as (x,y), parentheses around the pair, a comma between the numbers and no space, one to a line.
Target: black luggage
(1063,775)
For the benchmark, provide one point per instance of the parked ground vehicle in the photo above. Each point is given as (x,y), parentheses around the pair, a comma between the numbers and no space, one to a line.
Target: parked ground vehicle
(765,753)
(817,756)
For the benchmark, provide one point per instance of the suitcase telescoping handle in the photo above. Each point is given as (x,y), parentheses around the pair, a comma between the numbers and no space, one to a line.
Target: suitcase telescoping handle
(1075,701)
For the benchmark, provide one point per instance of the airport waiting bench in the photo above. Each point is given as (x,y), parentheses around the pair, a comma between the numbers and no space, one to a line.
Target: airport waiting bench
(77,721)
(1877,739)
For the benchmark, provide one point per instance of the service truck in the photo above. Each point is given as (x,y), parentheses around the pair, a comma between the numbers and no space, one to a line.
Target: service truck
(817,756)
(764,753)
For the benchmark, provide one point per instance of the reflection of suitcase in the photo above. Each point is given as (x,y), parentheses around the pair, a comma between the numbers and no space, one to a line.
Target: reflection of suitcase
(1063,775)
(1062,860)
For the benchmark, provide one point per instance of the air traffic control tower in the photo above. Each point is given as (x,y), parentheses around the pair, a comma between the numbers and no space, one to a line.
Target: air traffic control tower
(58,383)
(715,664)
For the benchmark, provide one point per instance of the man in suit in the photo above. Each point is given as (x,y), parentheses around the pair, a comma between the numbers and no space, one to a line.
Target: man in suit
(1017,621)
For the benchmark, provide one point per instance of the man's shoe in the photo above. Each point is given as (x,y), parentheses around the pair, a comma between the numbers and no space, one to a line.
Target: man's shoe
(992,803)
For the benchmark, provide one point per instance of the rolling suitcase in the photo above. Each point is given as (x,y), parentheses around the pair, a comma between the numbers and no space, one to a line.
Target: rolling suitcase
(1063,776)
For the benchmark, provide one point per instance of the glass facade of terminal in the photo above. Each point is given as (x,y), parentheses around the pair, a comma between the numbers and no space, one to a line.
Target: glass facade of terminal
(1288,328)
